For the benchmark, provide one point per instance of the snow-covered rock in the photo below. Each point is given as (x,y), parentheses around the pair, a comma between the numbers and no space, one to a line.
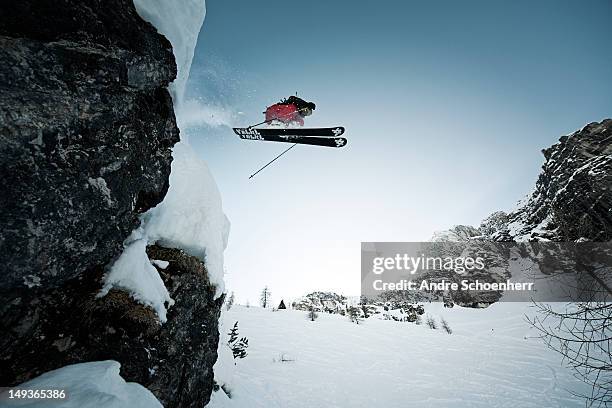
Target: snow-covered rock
(572,200)
(135,273)
(180,22)
(458,233)
(88,148)
(191,216)
(329,302)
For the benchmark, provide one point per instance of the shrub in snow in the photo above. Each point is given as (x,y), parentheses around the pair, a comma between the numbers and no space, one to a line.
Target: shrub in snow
(283,358)
(230,301)
(431,323)
(411,317)
(368,310)
(238,346)
(446,326)
(312,314)
(355,314)
(418,320)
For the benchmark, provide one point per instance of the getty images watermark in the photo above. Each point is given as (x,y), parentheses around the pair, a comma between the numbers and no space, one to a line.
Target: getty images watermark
(481,271)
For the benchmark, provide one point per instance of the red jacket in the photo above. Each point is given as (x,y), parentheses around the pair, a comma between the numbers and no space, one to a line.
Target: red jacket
(284,113)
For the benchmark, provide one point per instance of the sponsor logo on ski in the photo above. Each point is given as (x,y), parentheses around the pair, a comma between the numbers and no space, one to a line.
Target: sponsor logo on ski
(337,131)
(249,133)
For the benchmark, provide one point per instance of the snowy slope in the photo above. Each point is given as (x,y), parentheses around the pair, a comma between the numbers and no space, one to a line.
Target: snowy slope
(489,361)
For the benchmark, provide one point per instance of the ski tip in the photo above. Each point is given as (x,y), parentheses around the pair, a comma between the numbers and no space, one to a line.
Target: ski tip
(340,142)
(338,130)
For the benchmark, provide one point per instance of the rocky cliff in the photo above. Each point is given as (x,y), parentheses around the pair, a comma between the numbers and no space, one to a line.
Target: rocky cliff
(573,196)
(86,131)
(572,199)
(571,202)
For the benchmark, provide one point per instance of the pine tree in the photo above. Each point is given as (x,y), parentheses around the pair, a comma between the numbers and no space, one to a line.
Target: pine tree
(238,347)
(265,297)
(354,314)
(233,334)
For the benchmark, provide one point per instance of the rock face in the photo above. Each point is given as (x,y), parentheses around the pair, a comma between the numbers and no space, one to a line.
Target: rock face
(86,131)
(573,195)
(70,325)
(572,199)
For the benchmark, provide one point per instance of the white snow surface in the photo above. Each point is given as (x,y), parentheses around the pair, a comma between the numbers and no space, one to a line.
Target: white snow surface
(87,385)
(160,264)
(492,359)
(191,217)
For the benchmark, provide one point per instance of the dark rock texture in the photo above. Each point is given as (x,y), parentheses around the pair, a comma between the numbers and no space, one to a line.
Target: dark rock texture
(86,128)
(573,196)
(572,200)
(86,131)
(70,325)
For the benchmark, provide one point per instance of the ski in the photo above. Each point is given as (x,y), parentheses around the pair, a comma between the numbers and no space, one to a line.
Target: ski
(328,131)
(273,135)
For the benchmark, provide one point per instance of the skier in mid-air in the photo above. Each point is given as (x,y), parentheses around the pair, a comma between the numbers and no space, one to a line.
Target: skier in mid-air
(289,111)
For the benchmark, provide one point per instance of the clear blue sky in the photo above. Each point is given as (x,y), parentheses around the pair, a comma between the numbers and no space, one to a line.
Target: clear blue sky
(447,105)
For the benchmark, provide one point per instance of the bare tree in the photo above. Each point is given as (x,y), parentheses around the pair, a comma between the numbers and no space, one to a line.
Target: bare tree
(581,331)
(265,297)
(582,334)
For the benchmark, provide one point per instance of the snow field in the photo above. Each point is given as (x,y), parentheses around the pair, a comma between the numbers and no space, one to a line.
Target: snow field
(490,360)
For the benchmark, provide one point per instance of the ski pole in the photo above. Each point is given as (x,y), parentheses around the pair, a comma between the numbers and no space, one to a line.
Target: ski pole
(271,161)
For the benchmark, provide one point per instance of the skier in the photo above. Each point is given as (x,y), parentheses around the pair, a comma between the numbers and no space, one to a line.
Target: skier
(290,111)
